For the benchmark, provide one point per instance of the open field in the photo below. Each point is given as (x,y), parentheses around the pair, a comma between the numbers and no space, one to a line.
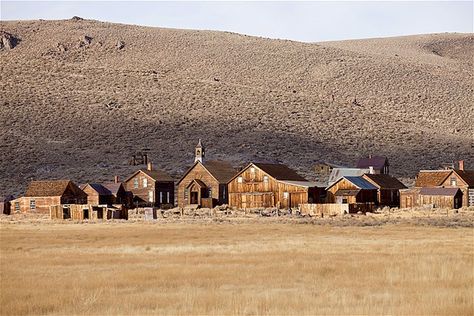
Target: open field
(260,267)
(74,104)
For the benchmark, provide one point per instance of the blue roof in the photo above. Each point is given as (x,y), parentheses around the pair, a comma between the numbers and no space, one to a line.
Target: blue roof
(361,183)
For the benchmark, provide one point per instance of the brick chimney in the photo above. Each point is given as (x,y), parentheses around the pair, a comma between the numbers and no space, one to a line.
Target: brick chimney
(461,165)
(116,179)
(149,166)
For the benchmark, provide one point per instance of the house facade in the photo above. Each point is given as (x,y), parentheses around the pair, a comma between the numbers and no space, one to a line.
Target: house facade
(150,187)
(264,185)
(375,164)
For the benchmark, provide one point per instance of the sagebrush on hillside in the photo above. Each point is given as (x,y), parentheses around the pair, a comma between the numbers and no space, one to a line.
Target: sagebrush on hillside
(78,97)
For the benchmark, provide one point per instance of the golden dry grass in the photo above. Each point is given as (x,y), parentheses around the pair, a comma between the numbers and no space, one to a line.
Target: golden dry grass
(246,268)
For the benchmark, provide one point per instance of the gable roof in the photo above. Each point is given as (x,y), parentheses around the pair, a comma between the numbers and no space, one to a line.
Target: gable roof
(47,188)
(361,183)
(338,173)
(99,188)
(467,176)
(280,171)
(223,171)
(155,174)
(439,191)
(384,181)
(113,187)
(431,178)
(378,162)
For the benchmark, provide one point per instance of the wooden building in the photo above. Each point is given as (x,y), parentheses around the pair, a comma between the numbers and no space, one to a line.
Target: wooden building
(5,204)
(375,164)
(325,168)
(40,195)
(433,197)
(388,189)
(265,185)
(352,190)
(150,187)
(338,173)
(106,194)
(204,184)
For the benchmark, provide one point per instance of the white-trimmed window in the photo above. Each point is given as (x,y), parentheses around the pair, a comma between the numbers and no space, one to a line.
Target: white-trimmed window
(167,197)
(161,197)
(135,183)
(145,182)
(454,181)
(17,206)
(32,204)
(265,179)
(150,196)
(286,195)
(240,180)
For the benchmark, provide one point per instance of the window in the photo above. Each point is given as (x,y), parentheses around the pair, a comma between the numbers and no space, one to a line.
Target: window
(17,206)
(135,183)
(185,195)
(265,179)
(252,170)
(454,181)
(344,201)
(161,197)
(32,204)
(145,182)
(167,197)
(150,196)
(240,179)
(285,195)
(210,192)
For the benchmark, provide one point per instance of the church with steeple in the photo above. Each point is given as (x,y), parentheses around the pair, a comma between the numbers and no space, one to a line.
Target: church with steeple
(205,183)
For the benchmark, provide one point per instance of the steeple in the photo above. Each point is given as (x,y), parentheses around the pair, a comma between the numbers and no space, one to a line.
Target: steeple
(199,152)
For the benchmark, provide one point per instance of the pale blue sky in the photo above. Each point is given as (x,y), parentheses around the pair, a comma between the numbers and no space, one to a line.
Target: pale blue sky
(302,21)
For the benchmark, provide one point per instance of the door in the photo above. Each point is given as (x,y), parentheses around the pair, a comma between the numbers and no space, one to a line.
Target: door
(194,196)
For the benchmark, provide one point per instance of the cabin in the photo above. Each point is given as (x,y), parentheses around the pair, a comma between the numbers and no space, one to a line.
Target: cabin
(388,189)
(433,197)
(40,195)
(325,168)
(352,190)
(106,194)
(5,205)
(375,164)
(267,185)
(150,187)
(204,184)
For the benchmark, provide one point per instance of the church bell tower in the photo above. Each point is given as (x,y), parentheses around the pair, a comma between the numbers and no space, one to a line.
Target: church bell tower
(199,152)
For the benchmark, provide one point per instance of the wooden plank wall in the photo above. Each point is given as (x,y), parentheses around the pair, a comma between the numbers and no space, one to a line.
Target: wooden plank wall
(198,172)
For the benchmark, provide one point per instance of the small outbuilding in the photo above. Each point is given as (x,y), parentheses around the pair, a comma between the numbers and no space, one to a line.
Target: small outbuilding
(388,189)
(352,190)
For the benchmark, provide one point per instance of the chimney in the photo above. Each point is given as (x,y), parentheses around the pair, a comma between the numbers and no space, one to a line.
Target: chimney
(461,165)
(371,170)
(116,179)
(149,166)
(370,156)
(145,158)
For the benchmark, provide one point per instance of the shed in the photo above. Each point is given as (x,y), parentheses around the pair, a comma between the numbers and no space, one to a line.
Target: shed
(388,189)
(352,190)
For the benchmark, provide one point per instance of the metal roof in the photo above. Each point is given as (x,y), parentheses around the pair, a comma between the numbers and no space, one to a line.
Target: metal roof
(361,183)
(338,173)
(439,191)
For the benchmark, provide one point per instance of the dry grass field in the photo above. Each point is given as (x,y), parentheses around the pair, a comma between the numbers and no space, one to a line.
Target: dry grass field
(74,103)
(253,268)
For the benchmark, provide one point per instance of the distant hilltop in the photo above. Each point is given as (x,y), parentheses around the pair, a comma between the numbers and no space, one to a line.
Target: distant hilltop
(81,97)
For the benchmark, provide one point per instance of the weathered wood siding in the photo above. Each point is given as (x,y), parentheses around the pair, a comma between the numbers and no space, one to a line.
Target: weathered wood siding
(459,184)
(142,194)
(409,198)
(93,197)
(259,190)
(200,173)
(364,196)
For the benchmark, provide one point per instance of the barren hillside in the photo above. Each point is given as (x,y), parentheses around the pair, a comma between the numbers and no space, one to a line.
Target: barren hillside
(79,97)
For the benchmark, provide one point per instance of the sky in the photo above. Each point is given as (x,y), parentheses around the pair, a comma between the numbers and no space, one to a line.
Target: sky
(307,21)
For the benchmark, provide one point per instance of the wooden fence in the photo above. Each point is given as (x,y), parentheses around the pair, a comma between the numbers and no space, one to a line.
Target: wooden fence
(332,209)
(86,211)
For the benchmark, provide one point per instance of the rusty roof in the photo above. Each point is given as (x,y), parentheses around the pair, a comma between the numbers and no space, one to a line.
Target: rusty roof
(384,181)
(47,188)
(431,178)
(467,176)
(223,171)
(439,191)
(113,187)
(280,171)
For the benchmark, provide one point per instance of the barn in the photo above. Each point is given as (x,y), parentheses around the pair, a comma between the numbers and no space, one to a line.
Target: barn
(261,185)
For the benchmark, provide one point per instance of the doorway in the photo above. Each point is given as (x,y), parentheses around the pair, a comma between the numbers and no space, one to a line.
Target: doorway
(194,197)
